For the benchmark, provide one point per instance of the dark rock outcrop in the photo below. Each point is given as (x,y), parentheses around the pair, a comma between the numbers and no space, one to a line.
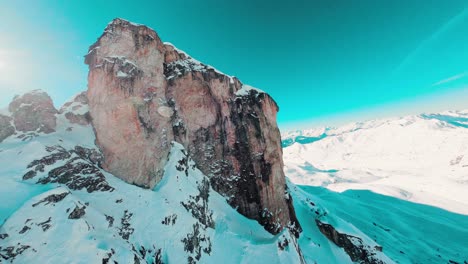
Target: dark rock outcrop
(81,169)
(352,245)
(33,112)
(196,243)
(143,94)
(52,199)
(10,253)
(125,229)
(78,212)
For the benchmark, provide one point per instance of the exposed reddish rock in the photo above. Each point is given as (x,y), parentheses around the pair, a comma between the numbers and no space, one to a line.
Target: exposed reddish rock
(6,129)
(124,100)
(143,94)
(33,111)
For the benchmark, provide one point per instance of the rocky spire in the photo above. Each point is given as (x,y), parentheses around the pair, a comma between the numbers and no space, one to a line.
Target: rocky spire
(144,93)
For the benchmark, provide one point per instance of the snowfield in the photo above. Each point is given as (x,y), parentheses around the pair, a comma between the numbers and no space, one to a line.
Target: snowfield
(423,159)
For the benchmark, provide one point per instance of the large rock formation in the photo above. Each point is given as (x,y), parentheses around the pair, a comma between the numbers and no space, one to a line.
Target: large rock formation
(143,94)
(33,112)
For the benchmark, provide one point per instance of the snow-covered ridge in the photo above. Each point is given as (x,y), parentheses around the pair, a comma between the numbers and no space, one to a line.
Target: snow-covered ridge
(422,158)
(180,67)
(246,89)
(435,120)
(188,64)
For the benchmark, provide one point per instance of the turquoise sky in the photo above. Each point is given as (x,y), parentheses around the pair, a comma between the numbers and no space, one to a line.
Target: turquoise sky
(322,61)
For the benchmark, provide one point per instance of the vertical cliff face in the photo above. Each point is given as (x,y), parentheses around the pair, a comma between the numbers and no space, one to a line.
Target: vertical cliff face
(143,94)
(127,101)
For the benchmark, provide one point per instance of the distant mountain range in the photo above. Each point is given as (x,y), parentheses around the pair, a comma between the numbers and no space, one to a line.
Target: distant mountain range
(420,158)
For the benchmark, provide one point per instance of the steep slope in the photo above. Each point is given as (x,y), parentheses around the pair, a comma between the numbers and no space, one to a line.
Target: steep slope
(59,205)
(144,94)
(416,158)
(71,209)
(407,232)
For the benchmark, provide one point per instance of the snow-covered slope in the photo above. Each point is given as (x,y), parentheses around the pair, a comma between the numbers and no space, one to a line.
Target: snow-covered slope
(60,206)
(421,158)
(71,219)
(408,232)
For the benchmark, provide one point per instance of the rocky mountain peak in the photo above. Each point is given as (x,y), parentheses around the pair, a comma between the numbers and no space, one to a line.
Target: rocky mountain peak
(144,94)
(33,111)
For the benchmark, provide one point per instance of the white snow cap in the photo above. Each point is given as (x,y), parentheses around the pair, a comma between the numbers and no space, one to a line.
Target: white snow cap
(245,90)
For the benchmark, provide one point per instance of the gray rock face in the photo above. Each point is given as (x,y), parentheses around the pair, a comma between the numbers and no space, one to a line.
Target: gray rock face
(143,94)
(6,129)
(33,111)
